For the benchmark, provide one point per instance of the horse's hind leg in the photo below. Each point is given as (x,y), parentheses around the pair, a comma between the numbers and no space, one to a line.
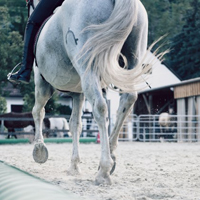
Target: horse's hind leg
(43,91)
(134,49)
(75,127)
(93,93)
(126,103)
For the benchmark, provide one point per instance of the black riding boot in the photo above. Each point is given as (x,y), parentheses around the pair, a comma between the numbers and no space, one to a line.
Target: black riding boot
(24,74)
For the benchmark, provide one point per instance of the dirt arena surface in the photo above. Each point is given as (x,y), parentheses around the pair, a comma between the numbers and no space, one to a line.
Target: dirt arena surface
(144,171)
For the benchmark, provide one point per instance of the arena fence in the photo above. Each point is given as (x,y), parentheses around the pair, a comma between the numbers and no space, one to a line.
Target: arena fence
(144,128)
(16,184)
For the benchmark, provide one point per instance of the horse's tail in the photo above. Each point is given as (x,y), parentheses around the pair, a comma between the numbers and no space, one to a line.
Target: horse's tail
(103,49)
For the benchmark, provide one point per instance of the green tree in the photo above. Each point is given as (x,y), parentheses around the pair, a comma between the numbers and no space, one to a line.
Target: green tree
(3,105)
(165,17)
(10,46)
(28,93)
(18,14)
(185,54)
(13,15)
(64,110)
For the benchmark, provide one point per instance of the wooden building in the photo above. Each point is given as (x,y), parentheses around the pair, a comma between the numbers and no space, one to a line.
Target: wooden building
(183,96)
(187,96)
(15,102)
(160,96)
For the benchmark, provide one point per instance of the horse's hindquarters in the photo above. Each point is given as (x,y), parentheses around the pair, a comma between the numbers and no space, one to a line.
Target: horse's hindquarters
(53,62)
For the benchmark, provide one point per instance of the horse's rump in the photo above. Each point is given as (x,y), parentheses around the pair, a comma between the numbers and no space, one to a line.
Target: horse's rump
(96,41)
(103,49)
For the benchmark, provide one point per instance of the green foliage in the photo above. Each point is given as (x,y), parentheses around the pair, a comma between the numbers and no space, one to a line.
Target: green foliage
(17,12)
(179,19)
(3,105)
(28,93)
(64,110)
(13,15)
(165,17)
(185,54)
(10,46)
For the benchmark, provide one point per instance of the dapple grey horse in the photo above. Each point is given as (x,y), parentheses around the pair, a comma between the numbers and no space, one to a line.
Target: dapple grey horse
(87,46)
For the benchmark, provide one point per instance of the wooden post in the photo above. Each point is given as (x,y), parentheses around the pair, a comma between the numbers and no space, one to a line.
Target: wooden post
(191,124)
(181,135)
(198,119)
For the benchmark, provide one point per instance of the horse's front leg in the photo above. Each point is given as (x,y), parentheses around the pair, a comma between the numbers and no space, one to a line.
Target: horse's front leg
(75,127)
(93,92)
(126,103)
(43,92)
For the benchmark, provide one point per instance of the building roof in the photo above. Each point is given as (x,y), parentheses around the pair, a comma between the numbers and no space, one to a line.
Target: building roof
(159,77)
(176,85)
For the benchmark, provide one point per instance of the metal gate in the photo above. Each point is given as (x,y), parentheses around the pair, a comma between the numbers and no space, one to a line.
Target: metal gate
(146,128)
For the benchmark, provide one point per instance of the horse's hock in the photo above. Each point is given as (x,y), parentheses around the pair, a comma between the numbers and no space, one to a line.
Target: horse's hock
(16,184)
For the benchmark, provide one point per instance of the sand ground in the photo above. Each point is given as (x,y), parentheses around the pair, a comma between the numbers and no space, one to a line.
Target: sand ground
(144,171)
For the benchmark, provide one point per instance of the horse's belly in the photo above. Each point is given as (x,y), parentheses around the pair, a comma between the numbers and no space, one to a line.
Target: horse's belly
(64,79)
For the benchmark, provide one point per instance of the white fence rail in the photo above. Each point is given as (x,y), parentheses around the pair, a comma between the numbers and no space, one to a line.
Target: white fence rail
(144,128)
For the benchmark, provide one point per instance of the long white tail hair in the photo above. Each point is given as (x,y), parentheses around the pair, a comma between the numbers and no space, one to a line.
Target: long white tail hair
(103,49)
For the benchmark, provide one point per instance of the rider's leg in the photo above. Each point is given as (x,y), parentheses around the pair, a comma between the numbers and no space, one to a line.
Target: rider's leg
(43,10)
(28,57)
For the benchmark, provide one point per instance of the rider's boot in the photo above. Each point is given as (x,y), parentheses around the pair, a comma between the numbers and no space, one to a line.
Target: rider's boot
(24,74)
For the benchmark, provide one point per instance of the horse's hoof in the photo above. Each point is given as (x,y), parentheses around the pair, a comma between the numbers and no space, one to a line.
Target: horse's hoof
(40,153)
(74,170)
(103,181)
(113,168)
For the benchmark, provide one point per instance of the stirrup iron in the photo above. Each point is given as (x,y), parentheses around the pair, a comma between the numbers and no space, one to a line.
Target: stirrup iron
(11,73)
